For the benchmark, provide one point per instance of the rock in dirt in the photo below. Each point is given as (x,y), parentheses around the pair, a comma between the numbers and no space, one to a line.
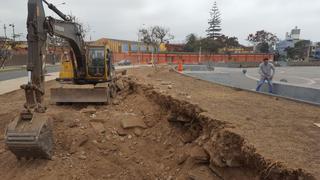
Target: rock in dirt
(170,86)
(183,94)
(73,124)
(82,157)
(2,151)
(132,123)
(121,132)
(200,173)
(177,118)
(182,158)
(198,155)
(115,102)
(78,142)
(166,83)
(98,127)
(120,85)
(187,137)
(83,139)
(98,120)
(138,132)
(89,110)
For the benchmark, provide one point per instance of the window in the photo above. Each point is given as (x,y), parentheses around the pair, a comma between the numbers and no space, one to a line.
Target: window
(96,64)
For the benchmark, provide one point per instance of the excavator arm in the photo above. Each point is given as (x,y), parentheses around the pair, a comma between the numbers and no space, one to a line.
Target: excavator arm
(71,32)
(30,134)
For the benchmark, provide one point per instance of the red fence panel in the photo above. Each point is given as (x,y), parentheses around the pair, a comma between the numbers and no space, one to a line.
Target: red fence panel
(187,58)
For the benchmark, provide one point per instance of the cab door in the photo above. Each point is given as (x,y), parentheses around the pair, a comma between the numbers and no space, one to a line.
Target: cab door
(96,62)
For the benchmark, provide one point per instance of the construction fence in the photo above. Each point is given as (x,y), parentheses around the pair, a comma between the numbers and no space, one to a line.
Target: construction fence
(146,58)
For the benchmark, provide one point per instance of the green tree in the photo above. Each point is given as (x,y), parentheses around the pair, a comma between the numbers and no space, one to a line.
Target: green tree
(214,23)
(192,43)
(300,50)
(228,42)
(261,39)
(211,46)
(263,47)
(232,42)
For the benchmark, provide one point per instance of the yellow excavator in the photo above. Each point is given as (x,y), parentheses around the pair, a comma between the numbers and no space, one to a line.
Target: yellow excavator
(89,77)
(97,87)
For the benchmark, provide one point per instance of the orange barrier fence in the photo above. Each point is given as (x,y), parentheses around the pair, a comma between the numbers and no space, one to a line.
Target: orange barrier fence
(145,58)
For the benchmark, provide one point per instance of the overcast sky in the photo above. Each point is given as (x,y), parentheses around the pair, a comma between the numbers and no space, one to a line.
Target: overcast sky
(121,19)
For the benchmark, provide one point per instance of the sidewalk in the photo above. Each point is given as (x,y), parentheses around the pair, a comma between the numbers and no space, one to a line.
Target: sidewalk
(14,84)
(13,68)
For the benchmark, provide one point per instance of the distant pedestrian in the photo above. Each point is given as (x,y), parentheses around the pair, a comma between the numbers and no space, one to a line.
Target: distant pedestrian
(266,71)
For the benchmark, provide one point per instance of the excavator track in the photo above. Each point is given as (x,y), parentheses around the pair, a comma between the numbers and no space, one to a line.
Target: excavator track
(30,139)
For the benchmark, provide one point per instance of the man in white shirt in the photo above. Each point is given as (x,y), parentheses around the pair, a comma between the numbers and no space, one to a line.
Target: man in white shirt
(266,71)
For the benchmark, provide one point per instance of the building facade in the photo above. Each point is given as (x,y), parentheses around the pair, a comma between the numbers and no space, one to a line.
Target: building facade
(290,40)
(124,46)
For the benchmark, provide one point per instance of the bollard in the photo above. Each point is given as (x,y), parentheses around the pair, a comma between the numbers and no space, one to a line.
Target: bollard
(180,67)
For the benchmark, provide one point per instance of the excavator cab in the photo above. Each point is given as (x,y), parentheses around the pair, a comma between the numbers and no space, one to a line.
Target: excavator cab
(97,63)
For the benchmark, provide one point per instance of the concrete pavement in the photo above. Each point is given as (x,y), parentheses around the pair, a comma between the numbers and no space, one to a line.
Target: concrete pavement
(303,82)
(227,76)
(14,84)
(297,76)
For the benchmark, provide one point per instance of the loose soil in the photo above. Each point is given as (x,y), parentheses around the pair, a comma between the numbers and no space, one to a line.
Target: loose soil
(192,130)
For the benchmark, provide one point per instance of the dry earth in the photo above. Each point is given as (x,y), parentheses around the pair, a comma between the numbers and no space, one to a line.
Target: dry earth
(167,126)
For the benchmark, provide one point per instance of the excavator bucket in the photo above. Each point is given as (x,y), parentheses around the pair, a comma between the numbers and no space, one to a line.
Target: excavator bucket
(81,94)
(30,138)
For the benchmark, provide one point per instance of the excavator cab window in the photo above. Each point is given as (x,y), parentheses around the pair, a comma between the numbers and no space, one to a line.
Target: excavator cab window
(96,62)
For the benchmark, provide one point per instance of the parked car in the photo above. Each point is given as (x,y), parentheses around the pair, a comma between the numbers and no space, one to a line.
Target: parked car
(125,62)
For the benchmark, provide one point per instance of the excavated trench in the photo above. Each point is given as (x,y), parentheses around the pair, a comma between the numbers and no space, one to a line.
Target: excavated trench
(214,143)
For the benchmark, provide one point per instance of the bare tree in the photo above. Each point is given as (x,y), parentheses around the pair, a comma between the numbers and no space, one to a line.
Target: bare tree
(155,35)
(162,34)
(84,30)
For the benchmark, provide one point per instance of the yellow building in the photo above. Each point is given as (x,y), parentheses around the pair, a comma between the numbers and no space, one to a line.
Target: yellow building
(123,46)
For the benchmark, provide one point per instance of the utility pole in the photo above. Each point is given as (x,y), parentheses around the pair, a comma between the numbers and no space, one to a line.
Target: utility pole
(200,51)
(13,32)
(5,31)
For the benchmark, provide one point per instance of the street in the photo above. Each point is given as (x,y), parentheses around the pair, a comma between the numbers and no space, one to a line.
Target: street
(18,73)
